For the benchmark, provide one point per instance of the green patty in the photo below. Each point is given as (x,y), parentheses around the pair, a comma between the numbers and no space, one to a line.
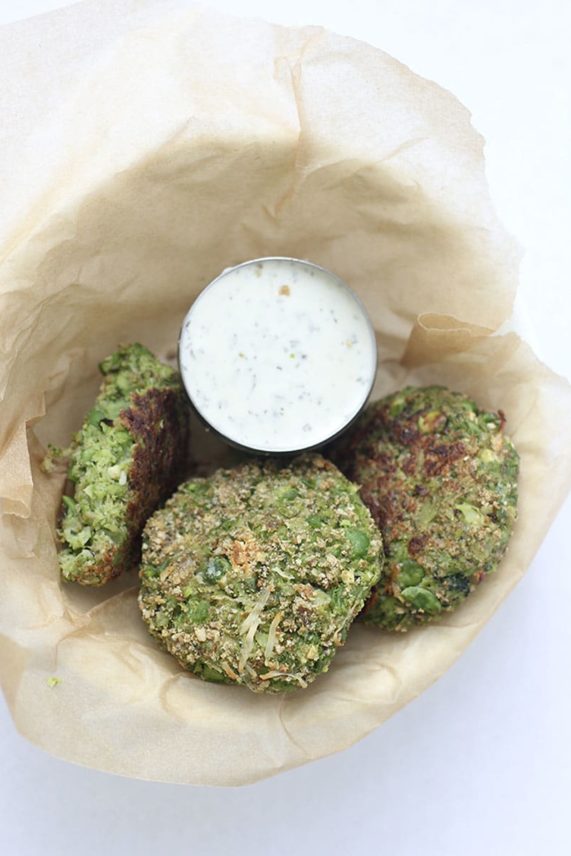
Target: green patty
(440,479)
(254,575)
(124,461)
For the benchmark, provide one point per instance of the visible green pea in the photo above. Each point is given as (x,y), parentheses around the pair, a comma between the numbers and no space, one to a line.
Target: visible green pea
(421,598)
(321,598)
(426,514)
(289,494)
(197,489)
(95,416)
(397,406)
(359,542)
(69,503)
(410,574)
(487,456)
(215,568)
(123,382)
(471,515)
(115,535)
(430,421)
(337,599)
(213,675)
(197,612)
(112,410)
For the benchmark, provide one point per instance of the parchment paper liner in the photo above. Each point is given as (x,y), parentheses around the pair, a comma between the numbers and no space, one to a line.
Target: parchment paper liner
(184,141)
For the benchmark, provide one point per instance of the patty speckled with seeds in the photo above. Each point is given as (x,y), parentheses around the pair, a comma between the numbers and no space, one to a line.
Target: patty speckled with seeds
(253,576)
(127,458)
(440,478)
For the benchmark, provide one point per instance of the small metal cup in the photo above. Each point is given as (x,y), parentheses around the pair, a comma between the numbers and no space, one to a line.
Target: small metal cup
(232,441)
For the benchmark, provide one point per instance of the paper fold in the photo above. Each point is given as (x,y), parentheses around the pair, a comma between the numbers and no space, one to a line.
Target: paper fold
(182,142)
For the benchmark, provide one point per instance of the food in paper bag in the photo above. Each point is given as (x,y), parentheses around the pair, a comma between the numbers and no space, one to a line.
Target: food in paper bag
(254,575)
(208,140)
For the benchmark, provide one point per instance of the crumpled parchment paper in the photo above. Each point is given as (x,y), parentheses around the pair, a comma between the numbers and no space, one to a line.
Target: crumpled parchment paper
(147,146)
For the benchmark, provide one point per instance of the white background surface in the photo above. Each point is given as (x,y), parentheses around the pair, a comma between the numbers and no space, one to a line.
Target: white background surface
(481,763)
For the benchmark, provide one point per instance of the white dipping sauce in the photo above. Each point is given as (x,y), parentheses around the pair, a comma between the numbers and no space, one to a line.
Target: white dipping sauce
(277,355)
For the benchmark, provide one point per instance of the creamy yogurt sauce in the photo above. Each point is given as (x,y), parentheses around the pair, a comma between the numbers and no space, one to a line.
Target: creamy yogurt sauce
(277,355)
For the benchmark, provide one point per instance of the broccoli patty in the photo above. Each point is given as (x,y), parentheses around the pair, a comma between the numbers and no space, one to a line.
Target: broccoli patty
(127,458)
(440,479)
(253,576)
